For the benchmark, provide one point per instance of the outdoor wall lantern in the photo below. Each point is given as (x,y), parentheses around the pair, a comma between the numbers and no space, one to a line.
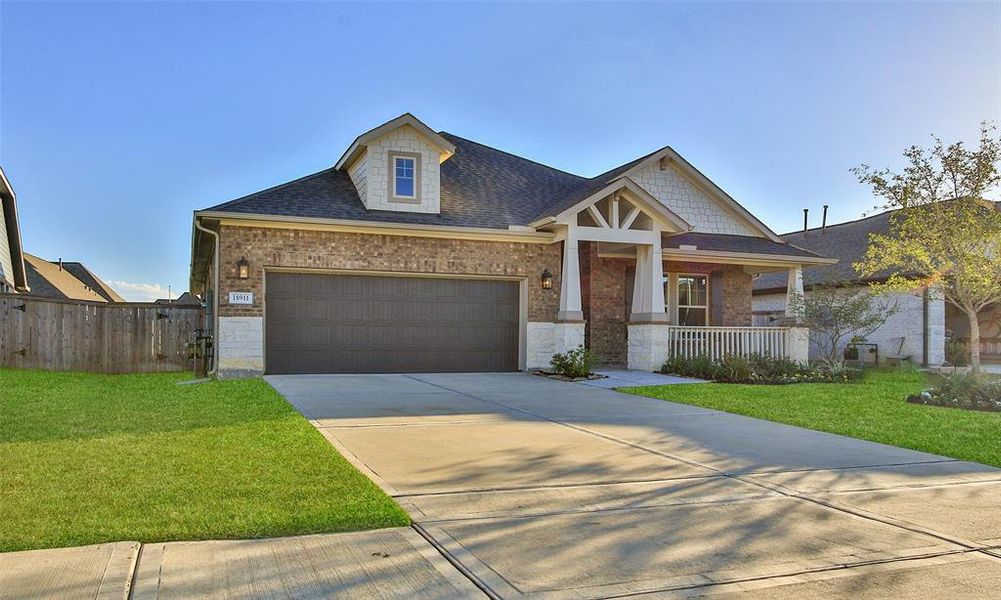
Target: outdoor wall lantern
(547,280)
(243,268)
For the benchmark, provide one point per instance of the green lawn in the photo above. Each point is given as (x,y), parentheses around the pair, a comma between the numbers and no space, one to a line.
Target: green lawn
(873,409)
(89,458)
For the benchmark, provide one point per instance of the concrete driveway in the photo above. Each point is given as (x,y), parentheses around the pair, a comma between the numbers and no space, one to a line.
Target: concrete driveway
(534,487)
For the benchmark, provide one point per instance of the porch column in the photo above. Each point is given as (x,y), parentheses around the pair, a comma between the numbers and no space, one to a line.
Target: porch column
(794,288)
(570,306)
(648,287)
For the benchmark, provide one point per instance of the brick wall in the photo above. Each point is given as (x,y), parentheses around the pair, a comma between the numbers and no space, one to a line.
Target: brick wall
(604,293)
(273,247)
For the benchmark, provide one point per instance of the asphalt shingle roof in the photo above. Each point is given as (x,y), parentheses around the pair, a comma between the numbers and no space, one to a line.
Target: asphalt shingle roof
(480,187)
(735,243)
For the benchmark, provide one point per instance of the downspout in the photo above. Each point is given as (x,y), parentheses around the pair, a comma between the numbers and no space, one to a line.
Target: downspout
(215,298)
(924,328)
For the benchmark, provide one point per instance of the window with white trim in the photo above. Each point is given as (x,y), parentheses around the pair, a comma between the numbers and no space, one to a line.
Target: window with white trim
(404,177)
(693,300)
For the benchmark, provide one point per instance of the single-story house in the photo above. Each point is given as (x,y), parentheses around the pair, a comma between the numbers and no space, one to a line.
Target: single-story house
(66,281)
(13,279)
(424,251)
(923,320)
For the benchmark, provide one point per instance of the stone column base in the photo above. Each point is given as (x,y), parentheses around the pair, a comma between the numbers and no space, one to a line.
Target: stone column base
(648,346)
(798,344)
(545,339)
(240,347)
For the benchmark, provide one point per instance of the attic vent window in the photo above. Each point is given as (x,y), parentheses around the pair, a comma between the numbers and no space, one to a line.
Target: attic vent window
(405,177)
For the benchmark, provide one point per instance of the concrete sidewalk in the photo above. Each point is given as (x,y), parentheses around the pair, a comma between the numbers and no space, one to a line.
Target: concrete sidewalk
(388,563)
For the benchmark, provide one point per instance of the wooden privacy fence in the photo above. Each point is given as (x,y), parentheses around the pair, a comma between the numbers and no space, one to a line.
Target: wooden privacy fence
(70,335)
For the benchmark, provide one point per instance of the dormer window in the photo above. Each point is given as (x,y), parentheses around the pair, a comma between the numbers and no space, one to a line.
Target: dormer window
(405,177)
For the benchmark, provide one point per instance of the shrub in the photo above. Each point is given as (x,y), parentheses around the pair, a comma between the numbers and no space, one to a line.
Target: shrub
(757,369)
(963,390)
(573,363)
(956,353)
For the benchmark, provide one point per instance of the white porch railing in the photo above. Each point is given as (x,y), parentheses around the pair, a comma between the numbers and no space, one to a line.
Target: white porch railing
(718,342)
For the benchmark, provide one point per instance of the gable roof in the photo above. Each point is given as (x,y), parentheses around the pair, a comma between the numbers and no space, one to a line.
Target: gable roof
(362,141)
(48,280)
(718,242)
(12,230)
(480,187)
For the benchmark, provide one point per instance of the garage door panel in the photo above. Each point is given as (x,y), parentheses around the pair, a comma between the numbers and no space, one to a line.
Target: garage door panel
(370,324)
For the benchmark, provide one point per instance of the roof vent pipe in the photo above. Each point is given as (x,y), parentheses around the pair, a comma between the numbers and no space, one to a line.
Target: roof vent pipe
(806,212)
(60,263)
(823,221)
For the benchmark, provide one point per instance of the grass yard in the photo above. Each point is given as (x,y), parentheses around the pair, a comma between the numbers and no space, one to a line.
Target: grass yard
(873,409)
(90,458)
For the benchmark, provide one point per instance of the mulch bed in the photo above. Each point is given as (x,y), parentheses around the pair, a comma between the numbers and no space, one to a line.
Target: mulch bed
(979,405)
(557,376)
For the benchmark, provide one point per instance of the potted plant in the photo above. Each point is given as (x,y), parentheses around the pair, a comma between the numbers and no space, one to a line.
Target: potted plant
(851,351)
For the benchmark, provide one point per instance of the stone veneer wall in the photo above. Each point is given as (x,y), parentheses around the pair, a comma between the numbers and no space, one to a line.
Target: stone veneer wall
(374,179)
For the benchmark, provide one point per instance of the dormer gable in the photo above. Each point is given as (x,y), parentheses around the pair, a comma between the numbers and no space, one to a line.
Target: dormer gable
(396,166)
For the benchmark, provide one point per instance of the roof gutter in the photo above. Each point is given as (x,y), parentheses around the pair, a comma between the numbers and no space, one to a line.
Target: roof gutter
(757,256)
(215,296)
(372,227)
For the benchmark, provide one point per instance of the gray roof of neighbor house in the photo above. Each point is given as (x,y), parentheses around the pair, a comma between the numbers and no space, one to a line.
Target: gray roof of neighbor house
(847,242)
(48,279)
(92,281)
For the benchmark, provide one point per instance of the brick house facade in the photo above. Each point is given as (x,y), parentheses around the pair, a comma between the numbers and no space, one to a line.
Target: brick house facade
(585,261)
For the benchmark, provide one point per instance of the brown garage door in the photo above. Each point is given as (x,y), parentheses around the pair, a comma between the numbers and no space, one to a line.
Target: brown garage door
(369,324)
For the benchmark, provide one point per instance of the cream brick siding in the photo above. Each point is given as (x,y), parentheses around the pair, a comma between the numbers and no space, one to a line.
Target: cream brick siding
(6,264)
(372,175)
(680,195)
(545,339)
(907,323)
(241,345)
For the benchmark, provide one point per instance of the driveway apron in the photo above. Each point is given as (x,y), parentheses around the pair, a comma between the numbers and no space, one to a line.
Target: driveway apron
(539,488)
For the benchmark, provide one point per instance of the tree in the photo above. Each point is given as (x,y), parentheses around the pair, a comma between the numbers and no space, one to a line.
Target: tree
(944,235)
(837,312)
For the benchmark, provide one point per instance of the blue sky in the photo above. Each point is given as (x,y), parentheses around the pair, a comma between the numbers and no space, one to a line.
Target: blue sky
(117,120)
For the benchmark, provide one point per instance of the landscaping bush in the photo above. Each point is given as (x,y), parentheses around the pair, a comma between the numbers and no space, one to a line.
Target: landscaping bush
(757,369)
(574,363)
(956,353)
(962,390)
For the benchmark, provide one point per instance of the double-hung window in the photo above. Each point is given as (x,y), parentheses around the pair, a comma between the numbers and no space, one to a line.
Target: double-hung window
(404,177)
(693,300)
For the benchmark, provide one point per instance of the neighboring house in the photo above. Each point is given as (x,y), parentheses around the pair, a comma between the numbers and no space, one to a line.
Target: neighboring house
(424,251)
(923,319)
(185,299)
(66,281)
(12,274)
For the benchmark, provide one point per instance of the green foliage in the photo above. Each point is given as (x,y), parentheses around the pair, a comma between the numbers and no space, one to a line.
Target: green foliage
(956,353)
(756,369)
(962,389)
(872,408)
(88,458)
(944,237)
(838,313)
(573,363)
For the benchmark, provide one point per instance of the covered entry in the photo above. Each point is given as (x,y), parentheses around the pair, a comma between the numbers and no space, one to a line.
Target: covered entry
(323,323)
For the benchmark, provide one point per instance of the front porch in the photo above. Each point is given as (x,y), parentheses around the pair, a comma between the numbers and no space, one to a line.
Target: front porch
(637,285)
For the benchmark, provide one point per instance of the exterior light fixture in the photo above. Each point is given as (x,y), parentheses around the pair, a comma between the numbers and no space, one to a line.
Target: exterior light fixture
(243,268)
(547,280)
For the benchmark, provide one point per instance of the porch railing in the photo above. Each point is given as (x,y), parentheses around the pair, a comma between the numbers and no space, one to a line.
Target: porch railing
(718,342)
(990,347)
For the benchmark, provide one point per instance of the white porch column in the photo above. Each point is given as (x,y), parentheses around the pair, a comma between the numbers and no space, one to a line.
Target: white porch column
(648,287)
(570,306)
(794,288)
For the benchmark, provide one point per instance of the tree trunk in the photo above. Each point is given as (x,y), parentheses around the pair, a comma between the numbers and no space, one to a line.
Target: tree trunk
(974,341)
